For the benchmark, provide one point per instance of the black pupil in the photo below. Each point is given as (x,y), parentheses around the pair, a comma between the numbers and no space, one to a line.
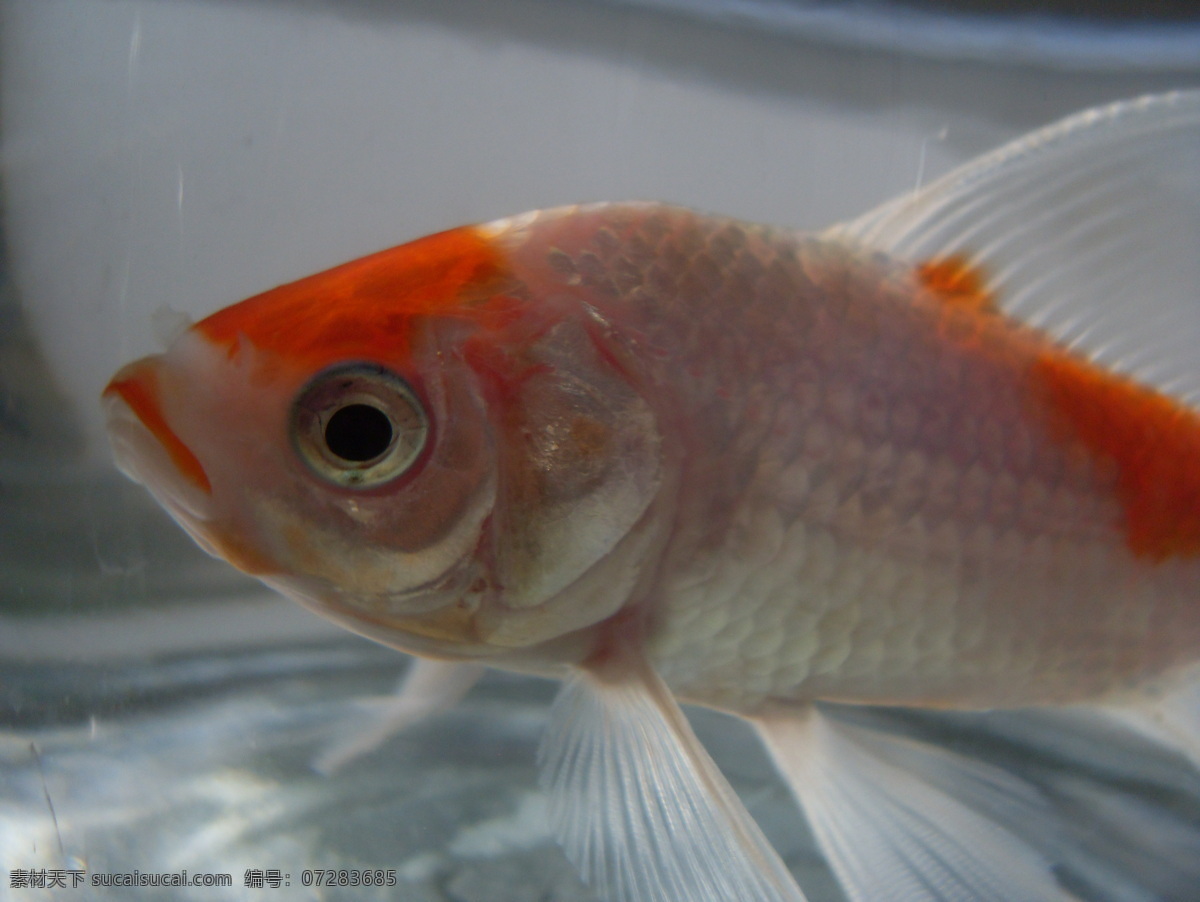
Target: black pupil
(358,432)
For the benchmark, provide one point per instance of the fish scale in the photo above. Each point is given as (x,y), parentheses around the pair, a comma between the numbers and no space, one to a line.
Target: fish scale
(834,404)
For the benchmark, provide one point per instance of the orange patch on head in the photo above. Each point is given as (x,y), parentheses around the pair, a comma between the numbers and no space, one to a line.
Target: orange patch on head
(363,308)
(958,281)
(137,385)
(1153,440)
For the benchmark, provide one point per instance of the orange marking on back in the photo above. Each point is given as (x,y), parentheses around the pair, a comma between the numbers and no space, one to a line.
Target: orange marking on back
(1153,440)
(958,281)
(363,308)
(140,391)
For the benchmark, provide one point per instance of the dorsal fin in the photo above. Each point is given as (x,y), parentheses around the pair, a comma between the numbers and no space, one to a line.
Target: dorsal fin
(1088,229)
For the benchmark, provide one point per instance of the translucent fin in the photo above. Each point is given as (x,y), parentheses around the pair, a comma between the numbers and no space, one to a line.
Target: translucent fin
(1169,714)
(1120,812)
(1088,228)
(638,805)
(426,688)
(905,821)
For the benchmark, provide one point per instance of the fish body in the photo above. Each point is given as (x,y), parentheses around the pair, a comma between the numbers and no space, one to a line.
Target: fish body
(666,455)
(875,494)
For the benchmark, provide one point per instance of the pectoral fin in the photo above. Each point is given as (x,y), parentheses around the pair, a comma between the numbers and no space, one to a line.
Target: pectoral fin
(427,687)
(639,806)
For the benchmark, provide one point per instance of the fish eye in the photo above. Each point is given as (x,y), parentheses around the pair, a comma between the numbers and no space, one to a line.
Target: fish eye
(359,426)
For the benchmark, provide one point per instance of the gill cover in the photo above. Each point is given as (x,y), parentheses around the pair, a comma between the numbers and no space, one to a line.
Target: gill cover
(578,457)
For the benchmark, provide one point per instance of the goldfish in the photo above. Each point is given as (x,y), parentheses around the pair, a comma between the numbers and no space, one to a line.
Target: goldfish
(944,457)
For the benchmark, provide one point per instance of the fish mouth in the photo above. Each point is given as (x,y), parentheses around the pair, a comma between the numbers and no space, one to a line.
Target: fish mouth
(148,450)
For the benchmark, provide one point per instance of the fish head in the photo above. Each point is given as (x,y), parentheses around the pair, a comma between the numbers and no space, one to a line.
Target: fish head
(427,445)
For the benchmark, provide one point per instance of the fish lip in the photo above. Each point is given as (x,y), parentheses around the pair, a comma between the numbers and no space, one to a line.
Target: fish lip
(147,449)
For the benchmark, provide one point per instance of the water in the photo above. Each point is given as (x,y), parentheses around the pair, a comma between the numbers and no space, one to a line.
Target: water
(157,711)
